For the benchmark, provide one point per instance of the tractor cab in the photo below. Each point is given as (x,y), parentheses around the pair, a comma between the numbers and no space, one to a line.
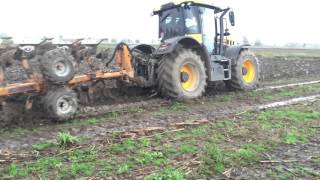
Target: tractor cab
(195,50)
(205,23)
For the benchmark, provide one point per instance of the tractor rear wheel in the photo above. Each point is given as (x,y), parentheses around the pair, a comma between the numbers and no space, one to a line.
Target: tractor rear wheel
(57,66)
(245,73)
(182,75)
(61,104)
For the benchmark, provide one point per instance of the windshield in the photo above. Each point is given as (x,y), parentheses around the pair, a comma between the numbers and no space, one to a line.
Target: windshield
(178,22)
(171,24)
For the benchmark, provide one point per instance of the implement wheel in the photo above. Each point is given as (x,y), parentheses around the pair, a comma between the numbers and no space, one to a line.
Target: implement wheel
(182,75)
(245,73)
(57,66)
(61,104)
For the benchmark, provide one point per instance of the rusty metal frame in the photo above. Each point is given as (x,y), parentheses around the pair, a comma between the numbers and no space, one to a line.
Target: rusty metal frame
(36,83)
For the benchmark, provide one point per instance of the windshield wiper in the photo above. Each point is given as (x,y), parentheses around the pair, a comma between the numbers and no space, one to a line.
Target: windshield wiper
(164,18)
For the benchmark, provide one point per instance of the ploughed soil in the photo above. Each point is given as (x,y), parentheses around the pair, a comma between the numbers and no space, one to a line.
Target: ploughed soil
(124,100)
(96,121)
(135,108)
(249,145)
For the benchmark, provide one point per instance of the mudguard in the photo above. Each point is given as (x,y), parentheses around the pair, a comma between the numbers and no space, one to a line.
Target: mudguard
(146,48)
(169,45)
(233,52)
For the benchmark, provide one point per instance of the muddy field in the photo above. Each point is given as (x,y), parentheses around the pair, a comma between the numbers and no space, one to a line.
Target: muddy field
(224,135)
(288,63)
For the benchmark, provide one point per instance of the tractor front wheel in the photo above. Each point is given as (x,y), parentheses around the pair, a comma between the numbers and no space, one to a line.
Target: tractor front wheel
(245,73)
(182,75)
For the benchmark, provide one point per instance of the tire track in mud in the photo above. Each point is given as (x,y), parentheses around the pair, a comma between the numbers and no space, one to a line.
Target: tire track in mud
(289,102)
(139,120)
(86,112)
(288,85)
(219,112)
(96,111)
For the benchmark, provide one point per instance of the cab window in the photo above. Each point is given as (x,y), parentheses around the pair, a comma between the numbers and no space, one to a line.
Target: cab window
(191,21)
(171,24)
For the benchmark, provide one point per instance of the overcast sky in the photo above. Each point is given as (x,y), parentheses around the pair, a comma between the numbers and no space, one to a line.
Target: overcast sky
(271,21)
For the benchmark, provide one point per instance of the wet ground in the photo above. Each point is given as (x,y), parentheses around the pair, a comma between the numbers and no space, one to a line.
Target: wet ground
(153,112)
(100,122)
(286,161)
(137,99)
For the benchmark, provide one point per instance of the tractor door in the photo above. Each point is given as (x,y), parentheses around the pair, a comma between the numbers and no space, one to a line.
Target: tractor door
(220,66)
(208,28)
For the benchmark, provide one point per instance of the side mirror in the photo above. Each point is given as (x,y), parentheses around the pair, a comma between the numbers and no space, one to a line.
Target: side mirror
(232,18)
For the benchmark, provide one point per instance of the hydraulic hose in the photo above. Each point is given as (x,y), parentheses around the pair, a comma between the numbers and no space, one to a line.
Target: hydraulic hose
(120,45)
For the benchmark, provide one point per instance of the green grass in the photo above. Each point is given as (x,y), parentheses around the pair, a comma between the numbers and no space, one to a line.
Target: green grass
(65,139)
(283,118)
(174,107)
(178,106)
(127,145)
(298,171)
(75,166)
(214,159)
(295,136)
(144,158)
(124,168)
(167,174)
(43,146)
(184,149)
(92,121)
(215,147)
(249,153)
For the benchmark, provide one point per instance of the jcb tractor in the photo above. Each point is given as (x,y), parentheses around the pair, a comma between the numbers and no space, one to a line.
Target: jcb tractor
(192,53)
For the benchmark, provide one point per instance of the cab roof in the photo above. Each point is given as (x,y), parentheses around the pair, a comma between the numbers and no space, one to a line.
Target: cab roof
(172,5)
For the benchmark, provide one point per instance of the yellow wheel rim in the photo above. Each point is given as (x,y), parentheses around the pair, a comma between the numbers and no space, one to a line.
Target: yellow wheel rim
(189,77)
(248,71)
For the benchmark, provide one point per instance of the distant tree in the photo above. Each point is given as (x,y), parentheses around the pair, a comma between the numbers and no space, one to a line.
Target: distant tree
(245,40)
(125,40)
(293,45)
(304,45)
(114,41)
(129,41)
(258,43)
(106,40)
(137,41)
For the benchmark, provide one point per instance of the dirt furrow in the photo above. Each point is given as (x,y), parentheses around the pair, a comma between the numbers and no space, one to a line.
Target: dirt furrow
(137,120)
(288,85)
(289,102)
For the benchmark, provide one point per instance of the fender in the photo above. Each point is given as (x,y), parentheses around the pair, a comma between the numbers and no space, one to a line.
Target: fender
(170,45)
(233,52)
(146,48)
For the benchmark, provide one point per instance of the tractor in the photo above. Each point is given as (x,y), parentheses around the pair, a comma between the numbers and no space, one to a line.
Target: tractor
(194,51)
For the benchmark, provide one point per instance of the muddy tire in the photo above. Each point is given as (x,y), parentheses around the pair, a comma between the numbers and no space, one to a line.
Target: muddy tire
(61,104)
(57,66)
(245,73)
(182,75)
